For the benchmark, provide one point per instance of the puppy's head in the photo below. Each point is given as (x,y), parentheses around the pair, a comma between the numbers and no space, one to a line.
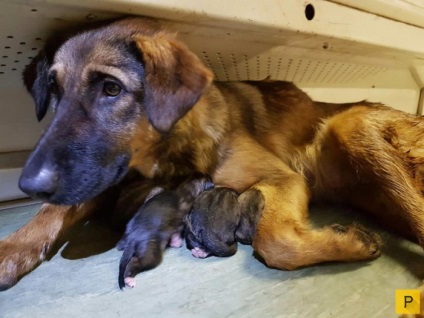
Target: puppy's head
(100,84)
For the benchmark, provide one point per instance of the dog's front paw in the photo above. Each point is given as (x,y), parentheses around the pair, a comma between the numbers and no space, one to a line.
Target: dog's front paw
(18,259)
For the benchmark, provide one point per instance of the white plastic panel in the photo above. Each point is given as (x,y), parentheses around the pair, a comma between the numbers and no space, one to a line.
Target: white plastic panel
(8,186)
(289,64)
(10,164)
(407,11)
(19,129)
(281,21)
(404,99)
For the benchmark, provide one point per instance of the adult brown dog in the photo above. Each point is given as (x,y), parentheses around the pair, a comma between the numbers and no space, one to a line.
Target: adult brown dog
(130,95)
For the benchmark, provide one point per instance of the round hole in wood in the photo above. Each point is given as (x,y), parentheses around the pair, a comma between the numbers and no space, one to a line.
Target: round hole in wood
(309,12)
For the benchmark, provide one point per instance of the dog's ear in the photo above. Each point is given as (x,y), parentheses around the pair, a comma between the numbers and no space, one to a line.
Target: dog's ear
(35,75)
(35,78)
(174,78)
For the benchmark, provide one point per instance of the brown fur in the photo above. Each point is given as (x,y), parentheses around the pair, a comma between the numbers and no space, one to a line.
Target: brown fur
(268,136)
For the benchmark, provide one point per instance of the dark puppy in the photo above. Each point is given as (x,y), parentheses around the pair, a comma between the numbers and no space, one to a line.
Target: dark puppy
(157,224)
(219,219)
(212,223)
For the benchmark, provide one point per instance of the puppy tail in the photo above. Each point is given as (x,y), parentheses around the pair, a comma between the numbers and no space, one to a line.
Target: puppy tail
(125,260)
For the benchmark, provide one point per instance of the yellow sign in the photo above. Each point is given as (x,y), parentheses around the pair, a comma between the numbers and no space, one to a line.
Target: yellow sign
(407,301)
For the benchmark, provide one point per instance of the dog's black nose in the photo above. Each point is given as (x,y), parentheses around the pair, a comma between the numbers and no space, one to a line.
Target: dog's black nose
(41,184)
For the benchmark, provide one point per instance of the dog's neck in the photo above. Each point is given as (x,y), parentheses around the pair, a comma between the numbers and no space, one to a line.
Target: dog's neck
(192,146)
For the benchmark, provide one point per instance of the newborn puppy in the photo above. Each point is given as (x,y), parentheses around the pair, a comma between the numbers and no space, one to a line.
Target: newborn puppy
(158,223)
(219,218)
(212,223)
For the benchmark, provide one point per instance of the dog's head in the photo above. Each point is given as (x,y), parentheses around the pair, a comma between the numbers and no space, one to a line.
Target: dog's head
(100,84)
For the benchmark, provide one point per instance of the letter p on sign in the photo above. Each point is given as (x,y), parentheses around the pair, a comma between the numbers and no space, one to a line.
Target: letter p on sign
(407,301)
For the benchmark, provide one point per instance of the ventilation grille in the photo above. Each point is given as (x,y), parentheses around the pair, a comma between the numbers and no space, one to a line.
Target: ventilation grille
(24,27)
(16,53)
(241,67)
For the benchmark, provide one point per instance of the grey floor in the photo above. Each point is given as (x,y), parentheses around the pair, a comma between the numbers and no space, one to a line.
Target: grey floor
(80,280)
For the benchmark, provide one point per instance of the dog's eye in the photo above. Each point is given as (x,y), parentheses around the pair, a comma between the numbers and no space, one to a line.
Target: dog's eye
(111,89)
(52,84)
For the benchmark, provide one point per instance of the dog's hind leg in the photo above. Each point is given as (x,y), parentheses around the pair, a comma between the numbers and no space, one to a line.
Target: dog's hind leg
(381,149)
(284,238)
(385,149)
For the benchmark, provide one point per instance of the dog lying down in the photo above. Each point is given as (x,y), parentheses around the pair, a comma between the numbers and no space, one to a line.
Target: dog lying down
(156,225)
(131,95)
(219,218)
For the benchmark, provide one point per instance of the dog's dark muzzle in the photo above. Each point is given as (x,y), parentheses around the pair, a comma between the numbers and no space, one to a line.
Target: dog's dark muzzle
(71,177)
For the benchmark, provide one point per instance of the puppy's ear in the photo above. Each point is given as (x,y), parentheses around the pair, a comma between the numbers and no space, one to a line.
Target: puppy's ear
(36,81)
(175,78)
